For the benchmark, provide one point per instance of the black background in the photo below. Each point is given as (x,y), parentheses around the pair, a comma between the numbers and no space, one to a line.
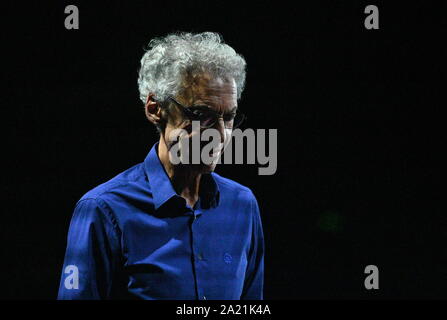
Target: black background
(358,114)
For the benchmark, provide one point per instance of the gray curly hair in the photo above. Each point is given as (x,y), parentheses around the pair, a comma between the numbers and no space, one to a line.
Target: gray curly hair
(168,59)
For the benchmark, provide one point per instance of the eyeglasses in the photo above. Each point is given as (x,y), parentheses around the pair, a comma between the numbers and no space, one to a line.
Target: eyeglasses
(208,117)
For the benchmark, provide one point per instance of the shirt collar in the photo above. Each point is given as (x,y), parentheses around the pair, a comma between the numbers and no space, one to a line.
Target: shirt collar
(162,189)
(209,191)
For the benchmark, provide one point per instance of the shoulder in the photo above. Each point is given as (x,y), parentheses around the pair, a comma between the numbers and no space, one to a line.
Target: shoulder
(127,180)
(99,202)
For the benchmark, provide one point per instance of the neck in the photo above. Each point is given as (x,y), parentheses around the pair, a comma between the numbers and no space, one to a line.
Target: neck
(185,179)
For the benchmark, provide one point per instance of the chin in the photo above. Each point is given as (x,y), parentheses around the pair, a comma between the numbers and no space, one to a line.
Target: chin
(208,168)
(202,168)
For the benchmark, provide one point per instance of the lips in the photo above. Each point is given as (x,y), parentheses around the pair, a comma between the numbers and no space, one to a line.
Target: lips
(217,151)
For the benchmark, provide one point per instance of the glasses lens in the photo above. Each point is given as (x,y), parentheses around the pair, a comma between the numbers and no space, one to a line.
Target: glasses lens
(238,119)
(207,120)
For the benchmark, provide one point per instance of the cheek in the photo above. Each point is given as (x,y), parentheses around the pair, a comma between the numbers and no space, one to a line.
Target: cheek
(173,135)
(167,133)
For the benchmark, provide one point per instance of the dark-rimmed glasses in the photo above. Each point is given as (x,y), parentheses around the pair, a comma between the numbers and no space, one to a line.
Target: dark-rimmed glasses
(208,117)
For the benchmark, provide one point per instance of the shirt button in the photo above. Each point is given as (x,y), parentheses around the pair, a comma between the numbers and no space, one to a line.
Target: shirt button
(199,256)
(204,298)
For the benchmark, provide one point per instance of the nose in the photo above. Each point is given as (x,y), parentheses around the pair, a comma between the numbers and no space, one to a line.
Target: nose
(220,126)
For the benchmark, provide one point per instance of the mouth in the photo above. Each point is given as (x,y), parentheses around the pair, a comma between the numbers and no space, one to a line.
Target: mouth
(216,152)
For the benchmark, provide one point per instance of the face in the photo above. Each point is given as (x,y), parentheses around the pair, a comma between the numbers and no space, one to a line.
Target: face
(217,94)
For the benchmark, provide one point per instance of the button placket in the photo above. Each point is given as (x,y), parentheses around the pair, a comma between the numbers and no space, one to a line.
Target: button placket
(198,256)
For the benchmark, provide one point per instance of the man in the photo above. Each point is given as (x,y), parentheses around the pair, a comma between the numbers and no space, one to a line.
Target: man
(161,230)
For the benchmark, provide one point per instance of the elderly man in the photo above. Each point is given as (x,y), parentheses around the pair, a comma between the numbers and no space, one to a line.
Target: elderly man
(161,230)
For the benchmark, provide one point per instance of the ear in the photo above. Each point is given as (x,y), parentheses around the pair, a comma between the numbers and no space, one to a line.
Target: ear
(152,110)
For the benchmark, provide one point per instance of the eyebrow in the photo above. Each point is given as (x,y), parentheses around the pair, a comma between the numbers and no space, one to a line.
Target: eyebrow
(208,107)
(200,106)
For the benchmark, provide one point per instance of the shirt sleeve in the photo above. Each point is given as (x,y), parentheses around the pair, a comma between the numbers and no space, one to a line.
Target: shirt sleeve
(254,277)
(92,254)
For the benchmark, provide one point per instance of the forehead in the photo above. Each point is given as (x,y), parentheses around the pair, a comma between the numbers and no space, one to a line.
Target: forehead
(212,90)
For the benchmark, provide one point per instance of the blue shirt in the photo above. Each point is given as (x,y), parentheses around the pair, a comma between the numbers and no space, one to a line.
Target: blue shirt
(135,237)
